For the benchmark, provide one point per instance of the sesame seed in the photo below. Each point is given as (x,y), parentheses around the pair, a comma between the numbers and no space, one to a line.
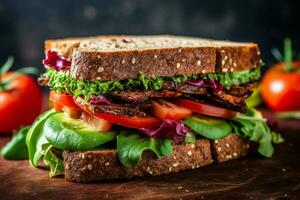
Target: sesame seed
(216,141)
(189,153)
(107,163)
(100,69)
(225,57)
(225,70)
(170,169)
(133,60)
(174,157)
(199,62)
(90,167)
(178,65)
(123,61)
(227,145)
(155,56)
(98,78)
(234,64)
(235,154)
(67,166)
(193,146)
(223,62)
(82,156)
(179,187)
(186,190)
(219,149)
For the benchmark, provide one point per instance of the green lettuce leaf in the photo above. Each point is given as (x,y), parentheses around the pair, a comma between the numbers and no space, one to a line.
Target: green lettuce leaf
(131,145)
(61,81)
(253,127)
(53,159)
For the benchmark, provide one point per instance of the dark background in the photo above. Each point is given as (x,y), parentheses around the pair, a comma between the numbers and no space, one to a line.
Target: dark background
(26,24)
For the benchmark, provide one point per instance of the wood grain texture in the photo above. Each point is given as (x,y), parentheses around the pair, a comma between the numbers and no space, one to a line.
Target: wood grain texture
(252,177)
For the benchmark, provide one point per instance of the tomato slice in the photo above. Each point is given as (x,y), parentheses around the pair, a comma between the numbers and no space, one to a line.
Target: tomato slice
(166,110)
(206,109)
(95,122)
(63,99)
(130,122)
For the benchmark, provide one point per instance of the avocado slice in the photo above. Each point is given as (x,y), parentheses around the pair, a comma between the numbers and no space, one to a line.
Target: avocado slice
(208,127)
(71,134)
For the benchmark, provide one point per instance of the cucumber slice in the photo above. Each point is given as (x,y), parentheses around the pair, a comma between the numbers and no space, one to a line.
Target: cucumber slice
(210,128)
(66,133)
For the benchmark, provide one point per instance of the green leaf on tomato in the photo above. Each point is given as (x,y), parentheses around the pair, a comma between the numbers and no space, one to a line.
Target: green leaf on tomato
(207,127)
(131,145)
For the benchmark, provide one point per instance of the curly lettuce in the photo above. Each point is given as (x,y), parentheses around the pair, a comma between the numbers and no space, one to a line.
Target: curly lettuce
(61,81)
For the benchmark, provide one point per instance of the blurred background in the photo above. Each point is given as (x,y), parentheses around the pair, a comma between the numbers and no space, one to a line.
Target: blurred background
(25,25)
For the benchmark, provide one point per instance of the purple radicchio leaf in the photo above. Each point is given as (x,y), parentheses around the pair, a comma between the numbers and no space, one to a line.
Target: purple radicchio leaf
(170,129)
(57,62)
(100,99)
(206,83)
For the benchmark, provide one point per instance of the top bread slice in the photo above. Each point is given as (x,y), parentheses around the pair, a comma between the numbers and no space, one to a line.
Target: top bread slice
(128,57)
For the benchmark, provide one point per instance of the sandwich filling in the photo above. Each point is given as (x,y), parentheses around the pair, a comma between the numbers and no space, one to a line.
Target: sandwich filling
(144,114)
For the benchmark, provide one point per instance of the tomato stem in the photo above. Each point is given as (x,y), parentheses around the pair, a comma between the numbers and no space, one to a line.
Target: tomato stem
(288,55)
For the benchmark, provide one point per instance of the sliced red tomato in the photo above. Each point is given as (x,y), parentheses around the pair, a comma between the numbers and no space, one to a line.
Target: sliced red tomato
(96,123)
(206,109)
(166,110)
(131,122)
(63,99)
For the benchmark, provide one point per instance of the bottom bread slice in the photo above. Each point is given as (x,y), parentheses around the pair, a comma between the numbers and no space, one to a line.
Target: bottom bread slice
(96,165)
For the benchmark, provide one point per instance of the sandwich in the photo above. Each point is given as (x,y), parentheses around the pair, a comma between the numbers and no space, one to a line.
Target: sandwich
(128,106)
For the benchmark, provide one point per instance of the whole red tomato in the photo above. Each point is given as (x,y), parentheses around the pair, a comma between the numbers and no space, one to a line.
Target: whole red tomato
(20,102)
(280,89)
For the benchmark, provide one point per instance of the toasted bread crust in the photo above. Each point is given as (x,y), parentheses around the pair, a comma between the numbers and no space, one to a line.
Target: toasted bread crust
(97,165)
(130,64)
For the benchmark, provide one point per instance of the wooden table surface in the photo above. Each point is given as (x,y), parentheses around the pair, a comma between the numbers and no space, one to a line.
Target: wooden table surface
(253,177)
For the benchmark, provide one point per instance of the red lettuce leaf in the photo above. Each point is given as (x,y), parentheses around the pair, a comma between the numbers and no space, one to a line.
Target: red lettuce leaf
(100,99)
(56,61)
(206,83)
(170,129)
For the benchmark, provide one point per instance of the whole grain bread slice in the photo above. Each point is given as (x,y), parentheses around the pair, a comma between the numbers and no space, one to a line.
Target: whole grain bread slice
(127,57)
(97,165)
